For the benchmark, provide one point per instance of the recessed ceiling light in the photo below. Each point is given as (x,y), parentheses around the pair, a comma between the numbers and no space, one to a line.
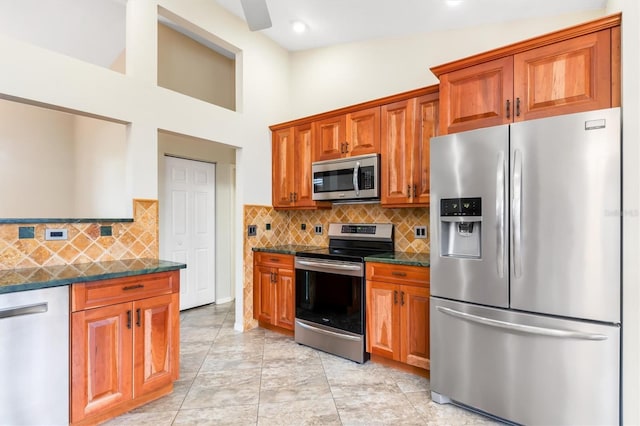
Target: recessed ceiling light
(299,26)
(453,3)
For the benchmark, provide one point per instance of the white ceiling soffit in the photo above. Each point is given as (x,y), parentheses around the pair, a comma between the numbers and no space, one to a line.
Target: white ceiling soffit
(341,21)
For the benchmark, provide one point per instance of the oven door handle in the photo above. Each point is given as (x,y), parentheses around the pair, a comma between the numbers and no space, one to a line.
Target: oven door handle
(329,265)
(327,332)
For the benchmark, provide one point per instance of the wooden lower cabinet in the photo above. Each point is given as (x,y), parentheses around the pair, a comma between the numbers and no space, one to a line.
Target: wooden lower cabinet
(124,346)
(274,290)
(398,313)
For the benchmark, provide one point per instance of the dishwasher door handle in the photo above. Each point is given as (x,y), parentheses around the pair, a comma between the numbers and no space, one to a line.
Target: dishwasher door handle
(18,311)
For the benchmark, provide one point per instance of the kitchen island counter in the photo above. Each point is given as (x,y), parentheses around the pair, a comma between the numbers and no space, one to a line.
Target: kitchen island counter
(22,279)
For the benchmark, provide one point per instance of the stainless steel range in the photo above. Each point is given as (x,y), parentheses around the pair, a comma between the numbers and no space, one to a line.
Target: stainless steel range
(330,289)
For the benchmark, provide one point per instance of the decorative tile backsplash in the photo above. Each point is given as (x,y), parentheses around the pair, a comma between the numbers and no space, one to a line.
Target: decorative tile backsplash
(286,229)
(86,242)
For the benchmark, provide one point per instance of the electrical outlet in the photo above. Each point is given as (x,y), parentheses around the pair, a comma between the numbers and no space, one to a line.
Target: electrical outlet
(318,229)
(252,230)
(267,227)
(55,234)
(303,226)
(420,231)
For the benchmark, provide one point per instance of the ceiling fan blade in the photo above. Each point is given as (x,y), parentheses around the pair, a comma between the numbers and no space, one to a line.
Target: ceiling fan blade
(256,14)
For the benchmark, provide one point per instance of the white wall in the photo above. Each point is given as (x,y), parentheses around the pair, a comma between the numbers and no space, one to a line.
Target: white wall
(36,162)
(99,160)
(327,78)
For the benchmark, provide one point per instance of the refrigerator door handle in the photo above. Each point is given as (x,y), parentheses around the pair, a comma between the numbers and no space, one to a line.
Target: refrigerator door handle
(516,213)
(521,328)
(500,214)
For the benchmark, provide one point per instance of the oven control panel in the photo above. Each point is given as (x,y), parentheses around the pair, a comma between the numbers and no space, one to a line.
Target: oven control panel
(358,229)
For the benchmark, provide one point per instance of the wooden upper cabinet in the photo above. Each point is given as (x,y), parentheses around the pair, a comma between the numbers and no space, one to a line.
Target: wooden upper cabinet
(568,71)
(478,96)
(407,127)
(282,167)
(348,135)
(292,154)
(303,156)
(565,77)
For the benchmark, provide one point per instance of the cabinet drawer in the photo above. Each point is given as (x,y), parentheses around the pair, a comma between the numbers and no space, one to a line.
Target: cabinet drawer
(107,292)
(275,260)
(400,274)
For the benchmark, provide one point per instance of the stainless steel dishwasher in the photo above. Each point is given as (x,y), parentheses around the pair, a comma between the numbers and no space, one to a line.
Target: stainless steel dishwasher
(34,357)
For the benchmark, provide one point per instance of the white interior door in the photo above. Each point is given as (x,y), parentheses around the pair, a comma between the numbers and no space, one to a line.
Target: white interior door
(188,226)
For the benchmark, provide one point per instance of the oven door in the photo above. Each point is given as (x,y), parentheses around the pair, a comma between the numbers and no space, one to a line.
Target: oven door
(346,179)
(330,293)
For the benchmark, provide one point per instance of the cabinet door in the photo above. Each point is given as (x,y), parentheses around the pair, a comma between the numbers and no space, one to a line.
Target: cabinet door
(563,78)
(382,321)
(285,299)
(426,128)
(263,293)
(282,168)
(330,138)
(303,140)
(476,96)
(397,147)
(363,132)
(101,354)
(414,315)
(155,328)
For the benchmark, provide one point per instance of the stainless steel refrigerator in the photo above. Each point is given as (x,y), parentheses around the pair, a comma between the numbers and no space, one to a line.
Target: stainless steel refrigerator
(525,269)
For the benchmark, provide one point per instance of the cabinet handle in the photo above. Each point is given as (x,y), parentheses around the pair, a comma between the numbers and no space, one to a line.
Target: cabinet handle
(399,273)
(295,196)
(402,298)
(408,191)
(138,317)
(133,287)
(508,108)
(346,147)
(414,191)
(517,107)
(129,319)
(395,297)
(274,259)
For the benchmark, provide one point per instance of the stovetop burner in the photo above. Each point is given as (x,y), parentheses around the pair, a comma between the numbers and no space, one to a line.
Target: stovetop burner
(354,242)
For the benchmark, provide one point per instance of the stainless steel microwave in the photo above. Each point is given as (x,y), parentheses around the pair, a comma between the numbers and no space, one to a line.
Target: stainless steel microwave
(347,179)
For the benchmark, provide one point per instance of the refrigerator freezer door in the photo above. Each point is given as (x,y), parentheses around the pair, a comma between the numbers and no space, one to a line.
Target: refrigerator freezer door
(470,165)
(565,211)
(525,368)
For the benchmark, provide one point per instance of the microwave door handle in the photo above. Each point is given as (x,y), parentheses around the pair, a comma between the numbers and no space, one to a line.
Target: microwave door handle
(356,172)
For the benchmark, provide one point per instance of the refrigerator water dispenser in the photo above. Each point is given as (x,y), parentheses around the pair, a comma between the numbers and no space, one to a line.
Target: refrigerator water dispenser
(460,227)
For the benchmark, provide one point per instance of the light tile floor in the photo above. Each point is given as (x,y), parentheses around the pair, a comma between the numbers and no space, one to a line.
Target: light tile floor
(264,378)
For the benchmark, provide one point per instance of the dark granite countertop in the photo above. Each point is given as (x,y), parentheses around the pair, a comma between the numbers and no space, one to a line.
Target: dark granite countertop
(398,257)
(12,280)
(287,249)
(401,258)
